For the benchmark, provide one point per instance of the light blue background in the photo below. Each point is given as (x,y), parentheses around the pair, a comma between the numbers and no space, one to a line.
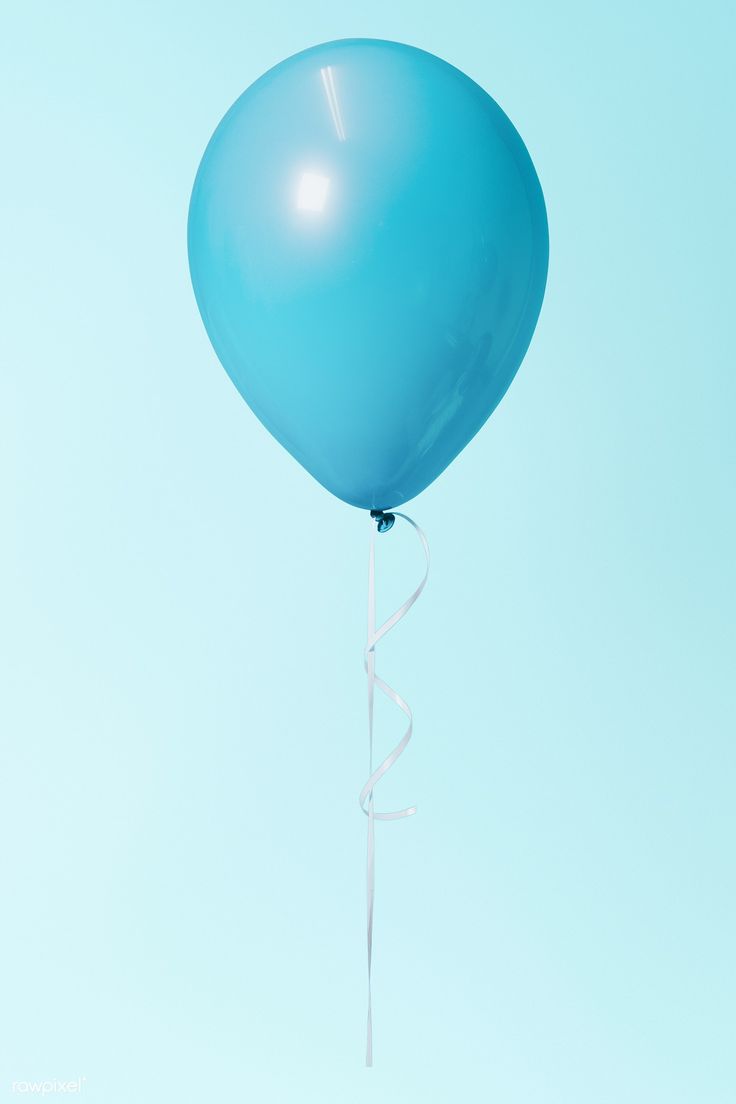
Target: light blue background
(183,608)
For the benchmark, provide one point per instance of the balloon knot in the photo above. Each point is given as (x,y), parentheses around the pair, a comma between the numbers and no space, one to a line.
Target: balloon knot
(383,520)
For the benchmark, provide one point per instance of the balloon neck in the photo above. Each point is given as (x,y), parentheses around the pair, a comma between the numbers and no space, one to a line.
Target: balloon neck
(383,520)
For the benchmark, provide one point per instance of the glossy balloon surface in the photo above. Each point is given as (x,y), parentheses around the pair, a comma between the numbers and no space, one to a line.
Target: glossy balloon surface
(368,248)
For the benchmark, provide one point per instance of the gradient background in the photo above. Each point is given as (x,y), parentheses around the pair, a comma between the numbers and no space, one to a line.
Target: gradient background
(183,609)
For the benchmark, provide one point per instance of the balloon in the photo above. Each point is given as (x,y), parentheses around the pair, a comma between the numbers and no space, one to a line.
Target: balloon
(368,248)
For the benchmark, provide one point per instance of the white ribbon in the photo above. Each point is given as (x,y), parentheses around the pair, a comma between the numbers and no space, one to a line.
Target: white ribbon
(366,794)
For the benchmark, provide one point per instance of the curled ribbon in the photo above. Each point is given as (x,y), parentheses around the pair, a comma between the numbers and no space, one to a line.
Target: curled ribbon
(385,521)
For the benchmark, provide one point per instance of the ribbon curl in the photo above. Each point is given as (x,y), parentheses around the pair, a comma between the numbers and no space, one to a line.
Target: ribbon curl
(384,523)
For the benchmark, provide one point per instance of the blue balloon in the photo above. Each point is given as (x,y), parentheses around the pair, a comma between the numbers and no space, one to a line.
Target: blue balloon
(368,248)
